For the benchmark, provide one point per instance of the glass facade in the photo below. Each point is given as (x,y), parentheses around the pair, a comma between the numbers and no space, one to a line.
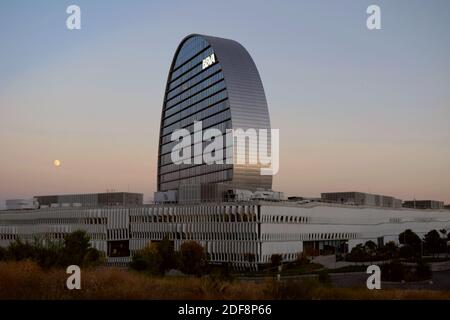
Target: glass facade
(193,93)
(215,81)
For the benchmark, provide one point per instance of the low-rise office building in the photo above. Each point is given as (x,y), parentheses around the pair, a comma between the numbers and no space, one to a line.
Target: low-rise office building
(21,204)
(244,234)
(92,199)
(361,199)
(423,204)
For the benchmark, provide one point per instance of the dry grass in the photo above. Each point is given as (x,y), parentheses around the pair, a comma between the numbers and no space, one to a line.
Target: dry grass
(26,280)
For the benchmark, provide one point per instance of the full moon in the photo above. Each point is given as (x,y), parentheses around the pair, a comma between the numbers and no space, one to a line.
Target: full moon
(57,163)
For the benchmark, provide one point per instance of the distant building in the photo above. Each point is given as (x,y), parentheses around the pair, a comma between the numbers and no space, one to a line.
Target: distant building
(423,204)
(92,200)
(362,199)
(303,199)
(21,204)
(447,206)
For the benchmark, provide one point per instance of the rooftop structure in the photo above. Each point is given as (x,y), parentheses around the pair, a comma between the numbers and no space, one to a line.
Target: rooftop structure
(361,199)
(21,204)
(91,199)
(423,204)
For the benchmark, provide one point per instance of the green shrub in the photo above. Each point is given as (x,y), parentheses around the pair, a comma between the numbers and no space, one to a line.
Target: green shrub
(193,258)
(276,260)
(169,260)
(396,271)
(75,249)
(139,263)
(393,271)
(93,258)
(148,259)
(19,250)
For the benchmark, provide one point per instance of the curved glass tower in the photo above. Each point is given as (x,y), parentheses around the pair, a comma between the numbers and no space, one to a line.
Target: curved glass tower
(215,81)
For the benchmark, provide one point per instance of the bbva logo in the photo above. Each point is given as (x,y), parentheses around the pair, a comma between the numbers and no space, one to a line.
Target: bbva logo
(209,60)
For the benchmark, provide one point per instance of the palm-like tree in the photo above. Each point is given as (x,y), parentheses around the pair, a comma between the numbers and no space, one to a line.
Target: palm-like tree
(445,235)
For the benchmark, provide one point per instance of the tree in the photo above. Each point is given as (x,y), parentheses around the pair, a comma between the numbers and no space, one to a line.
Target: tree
(407,252)
(138,263)
(371,248)
(276,260)
(19,250)
(147,259)
(408,237)
(370,245)
(155,257)
(167,253)
(76,245)
(93,258)
(48,253)
(358,253)
(2,253)
(393,271)
(433,242)
(411,239)
(75,249)
(391,250)
(193,258)
(448,242)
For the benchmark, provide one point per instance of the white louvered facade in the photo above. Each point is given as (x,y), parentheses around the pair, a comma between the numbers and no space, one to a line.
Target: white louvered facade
(245,234)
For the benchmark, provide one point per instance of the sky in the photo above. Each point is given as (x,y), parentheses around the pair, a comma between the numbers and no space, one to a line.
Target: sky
(358,109)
